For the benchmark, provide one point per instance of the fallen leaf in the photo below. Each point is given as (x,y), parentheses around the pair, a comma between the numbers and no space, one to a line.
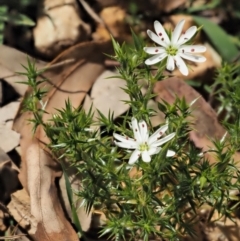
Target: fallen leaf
(45,207)
(204,119)
(63,20)
(1,93)
(70,76)
(9,111)
(114,17)
(19,208)
(159,117)
(9,139)
(168,6)
(11,63)
(108,96)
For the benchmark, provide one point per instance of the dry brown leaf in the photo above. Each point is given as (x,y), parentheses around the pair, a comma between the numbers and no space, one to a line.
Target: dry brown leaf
(9,139)
(3,156)
(9,111)
(159,117)
(61,18)
(167,5)
(107,94)
(1,93)
(45,207)
(115,19)
(19,208)
(225,230)
(11,62)
(69,80)
(205,122)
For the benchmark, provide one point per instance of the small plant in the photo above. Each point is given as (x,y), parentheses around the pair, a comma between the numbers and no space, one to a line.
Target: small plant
(12,18)
(148,181)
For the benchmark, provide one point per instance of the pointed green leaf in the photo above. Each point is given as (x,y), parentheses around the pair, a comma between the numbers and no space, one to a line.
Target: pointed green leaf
(3,15)
(137,42)
(70,199)
(211,5)
(20,19)
(219,38)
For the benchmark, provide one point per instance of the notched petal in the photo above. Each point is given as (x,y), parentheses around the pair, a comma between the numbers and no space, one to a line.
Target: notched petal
(134,157)
(157,134)
(192,49)
(146,157)
(177,32)
(194,58)
(187,35)
(181,65)
(170,63)
(154,50)
(155,59)
(161,33)
(170,153)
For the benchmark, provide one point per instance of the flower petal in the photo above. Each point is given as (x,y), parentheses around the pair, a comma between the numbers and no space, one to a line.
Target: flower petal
(170,63)
(181,65)
(145,156)
(157,134)
(194,58)
(177,32)
(161,33)
(192,49)
(126,145)
(187,35)
(155,59)
(170,153)
(125,139)
(143,130)
(154,50)
(154,150)
(156,39)
(163,140)
(135,155)
(136,131)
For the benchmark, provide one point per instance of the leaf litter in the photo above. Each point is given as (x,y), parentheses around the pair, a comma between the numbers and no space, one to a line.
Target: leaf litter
(38,207)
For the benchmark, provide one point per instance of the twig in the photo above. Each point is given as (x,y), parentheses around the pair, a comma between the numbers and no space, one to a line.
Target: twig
(94,16)
(12,237)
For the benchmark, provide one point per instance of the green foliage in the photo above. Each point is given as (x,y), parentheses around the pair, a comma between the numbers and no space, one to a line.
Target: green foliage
(33,102)
(147,200)
(209,5)
(14,18)
(226,90)
(219,38)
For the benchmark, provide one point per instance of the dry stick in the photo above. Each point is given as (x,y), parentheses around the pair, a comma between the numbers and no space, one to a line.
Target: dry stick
(94,16)
(58,88)
(57,65)
(12,237)
(5,209)
(48,68)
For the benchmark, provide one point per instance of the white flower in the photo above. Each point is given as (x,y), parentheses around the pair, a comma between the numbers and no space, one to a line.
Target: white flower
(144,145)
(174,48)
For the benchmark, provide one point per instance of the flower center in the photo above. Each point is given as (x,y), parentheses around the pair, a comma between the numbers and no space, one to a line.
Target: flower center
(143,147)
(171,50)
